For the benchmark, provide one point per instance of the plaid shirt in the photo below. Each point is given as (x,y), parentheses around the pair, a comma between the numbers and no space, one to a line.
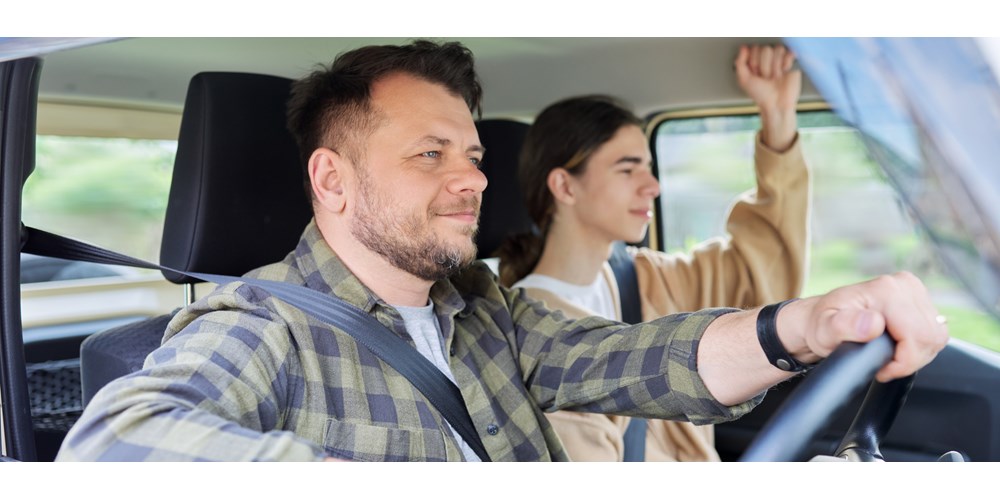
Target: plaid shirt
(244,376)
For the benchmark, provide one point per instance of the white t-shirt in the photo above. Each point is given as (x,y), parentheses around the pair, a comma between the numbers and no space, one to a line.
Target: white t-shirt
(422,325)
(595,297)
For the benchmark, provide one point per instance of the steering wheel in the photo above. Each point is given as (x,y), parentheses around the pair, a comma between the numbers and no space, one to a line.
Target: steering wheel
(825,390)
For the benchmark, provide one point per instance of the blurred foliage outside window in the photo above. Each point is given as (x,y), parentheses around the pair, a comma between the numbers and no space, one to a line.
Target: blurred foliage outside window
(108,192)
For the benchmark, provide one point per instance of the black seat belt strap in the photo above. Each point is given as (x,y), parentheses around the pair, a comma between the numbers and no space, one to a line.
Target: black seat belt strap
(628,284)
(628,292)
(364,329)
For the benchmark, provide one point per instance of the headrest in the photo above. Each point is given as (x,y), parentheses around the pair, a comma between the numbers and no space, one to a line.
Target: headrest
(503,210)
(236,199)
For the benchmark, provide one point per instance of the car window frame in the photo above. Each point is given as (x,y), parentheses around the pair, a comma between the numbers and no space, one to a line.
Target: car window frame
(18,98)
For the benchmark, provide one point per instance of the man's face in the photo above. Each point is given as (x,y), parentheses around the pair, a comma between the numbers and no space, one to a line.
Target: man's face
(420,187)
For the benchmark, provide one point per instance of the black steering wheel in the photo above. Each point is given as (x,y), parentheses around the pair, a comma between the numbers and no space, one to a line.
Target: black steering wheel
(826,389)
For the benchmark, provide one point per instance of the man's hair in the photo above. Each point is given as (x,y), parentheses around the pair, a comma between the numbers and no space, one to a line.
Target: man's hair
(564,135)
(331,107)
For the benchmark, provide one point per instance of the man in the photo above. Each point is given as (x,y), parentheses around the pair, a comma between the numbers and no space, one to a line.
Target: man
(391,155)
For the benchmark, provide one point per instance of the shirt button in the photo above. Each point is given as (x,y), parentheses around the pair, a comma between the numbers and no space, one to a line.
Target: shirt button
(492,429)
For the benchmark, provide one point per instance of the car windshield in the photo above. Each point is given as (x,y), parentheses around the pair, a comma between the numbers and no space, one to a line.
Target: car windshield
(933,131)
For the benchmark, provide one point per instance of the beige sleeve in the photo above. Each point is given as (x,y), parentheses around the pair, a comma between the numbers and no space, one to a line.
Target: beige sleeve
(763,259)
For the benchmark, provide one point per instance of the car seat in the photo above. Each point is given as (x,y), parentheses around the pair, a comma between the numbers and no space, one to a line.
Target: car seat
(236,202)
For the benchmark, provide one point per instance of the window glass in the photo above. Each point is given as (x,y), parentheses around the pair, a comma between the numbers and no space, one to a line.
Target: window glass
(859,227)
(106,191)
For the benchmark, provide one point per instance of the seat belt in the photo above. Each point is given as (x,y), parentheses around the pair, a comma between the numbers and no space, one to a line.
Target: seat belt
(364,329)
(623,267)
(628,284)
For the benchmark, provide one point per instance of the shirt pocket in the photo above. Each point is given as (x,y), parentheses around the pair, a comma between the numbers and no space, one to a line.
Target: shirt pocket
(373,443)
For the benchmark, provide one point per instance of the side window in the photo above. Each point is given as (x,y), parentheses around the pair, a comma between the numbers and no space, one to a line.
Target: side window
(111,192)
(859,228)
(102,175)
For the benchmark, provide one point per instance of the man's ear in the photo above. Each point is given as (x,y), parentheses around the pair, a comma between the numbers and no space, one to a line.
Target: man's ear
(328,171)
(560,185)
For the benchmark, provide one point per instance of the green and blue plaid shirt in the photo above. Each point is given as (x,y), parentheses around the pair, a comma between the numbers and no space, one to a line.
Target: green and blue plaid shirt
(244,376)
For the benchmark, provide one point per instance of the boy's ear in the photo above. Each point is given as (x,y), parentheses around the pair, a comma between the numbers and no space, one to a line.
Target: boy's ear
(560,185)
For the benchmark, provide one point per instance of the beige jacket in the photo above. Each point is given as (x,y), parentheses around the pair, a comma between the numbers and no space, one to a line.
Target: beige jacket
(763,260)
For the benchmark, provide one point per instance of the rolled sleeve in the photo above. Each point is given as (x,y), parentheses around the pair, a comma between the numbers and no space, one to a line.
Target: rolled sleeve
(599,366)
(685,381)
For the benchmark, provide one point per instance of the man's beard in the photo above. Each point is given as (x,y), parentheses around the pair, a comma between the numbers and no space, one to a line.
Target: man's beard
(409,244)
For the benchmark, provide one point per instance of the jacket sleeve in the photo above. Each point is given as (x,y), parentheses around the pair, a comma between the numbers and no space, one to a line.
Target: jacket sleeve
(763,258)
(211,392)
(594,365)
(593,437)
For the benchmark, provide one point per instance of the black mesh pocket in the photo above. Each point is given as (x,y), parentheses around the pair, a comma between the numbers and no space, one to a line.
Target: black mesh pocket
(54,389)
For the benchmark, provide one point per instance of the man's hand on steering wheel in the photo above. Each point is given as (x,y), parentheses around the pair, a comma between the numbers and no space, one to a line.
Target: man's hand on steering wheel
(810,329)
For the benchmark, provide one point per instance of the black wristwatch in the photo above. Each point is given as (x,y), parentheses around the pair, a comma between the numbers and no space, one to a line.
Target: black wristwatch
(767,335)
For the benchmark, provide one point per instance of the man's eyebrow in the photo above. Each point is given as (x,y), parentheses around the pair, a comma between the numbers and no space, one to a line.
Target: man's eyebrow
(433,139)
(441,141)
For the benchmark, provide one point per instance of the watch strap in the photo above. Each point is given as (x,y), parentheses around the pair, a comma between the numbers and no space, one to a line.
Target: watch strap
(767,335)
